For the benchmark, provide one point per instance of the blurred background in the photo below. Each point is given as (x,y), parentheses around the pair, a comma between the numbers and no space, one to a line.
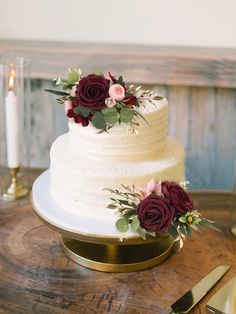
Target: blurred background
(184,49)
(208,23)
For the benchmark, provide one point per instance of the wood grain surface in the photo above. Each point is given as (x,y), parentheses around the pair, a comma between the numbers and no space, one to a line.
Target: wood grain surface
(185,66)
(36,276)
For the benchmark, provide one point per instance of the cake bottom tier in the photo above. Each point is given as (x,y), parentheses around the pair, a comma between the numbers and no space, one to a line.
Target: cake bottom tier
(77,184)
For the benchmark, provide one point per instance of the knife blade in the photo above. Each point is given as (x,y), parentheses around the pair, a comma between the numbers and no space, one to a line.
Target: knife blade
(193,296)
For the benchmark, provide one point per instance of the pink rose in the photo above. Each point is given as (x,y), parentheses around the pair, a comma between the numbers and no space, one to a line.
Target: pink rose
(117,92)
(150,188)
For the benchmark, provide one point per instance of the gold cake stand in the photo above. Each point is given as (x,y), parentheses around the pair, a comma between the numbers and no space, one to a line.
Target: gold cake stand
(108,254)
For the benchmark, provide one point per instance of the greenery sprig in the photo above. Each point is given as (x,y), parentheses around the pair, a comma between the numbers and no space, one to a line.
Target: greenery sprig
(114,111)
(126,206)
(126,203)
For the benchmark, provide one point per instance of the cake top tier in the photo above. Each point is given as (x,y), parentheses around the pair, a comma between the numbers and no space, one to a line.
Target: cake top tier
(120,143)
(104,101)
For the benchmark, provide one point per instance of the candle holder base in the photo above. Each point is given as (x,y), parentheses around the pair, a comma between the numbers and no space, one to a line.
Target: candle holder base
(15,190)
(11,195)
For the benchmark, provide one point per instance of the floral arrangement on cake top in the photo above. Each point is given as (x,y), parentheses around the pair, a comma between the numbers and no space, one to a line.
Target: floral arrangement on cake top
(157,208)
(103,101)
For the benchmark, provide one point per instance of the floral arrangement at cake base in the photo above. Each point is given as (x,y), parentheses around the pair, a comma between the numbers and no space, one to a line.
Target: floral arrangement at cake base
(157,209)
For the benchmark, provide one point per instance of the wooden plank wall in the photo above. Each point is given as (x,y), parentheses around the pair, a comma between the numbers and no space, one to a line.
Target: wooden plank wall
(202,109)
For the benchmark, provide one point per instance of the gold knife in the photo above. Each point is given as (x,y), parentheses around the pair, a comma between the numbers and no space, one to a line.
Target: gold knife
(193,296)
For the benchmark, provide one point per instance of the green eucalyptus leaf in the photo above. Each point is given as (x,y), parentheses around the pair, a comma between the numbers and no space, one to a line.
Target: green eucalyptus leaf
(76,110)
(112,119)
(135,224)
(126,115)
(111,115)
(72,77)
(84,111)
(106,110)
(122,225)
(129,214)
(98,120)
(56,92)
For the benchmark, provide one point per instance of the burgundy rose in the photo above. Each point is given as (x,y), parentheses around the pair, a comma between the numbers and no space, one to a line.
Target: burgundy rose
(92,91)
(177,196)
(155,213)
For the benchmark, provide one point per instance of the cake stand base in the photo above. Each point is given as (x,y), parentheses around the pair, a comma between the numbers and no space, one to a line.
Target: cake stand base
(118,258)
(102,251)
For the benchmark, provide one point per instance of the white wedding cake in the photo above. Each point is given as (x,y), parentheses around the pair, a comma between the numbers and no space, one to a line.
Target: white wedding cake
(116,176)
(84,162)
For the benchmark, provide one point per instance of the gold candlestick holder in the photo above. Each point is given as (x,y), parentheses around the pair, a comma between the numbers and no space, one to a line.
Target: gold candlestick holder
(15,189)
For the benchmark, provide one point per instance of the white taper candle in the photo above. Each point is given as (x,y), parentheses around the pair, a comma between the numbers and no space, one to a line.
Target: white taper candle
(12,127)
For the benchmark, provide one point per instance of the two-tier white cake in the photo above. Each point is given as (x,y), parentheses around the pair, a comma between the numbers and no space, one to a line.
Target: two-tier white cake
(84,163)
(116,188)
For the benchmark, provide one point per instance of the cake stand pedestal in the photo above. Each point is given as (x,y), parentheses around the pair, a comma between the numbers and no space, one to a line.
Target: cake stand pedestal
(99,252)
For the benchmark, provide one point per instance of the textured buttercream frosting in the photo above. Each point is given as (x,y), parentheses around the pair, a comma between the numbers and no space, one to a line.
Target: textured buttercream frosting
(121,144)
(84,163)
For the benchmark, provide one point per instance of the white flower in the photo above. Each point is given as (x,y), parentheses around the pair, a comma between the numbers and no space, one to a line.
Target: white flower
(110,102)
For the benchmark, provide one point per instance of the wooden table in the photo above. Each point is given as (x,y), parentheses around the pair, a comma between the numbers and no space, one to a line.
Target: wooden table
(36,276)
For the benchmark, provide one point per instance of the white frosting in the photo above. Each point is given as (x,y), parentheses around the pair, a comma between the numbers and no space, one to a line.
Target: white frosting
(120,143)
(78,183)
(84,162)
